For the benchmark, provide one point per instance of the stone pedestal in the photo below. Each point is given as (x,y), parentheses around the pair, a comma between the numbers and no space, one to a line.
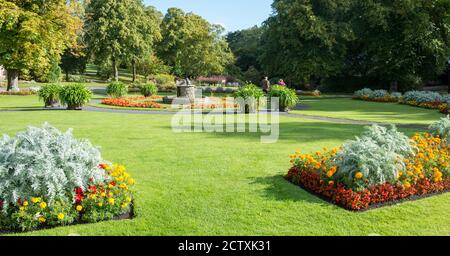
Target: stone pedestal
(186,91)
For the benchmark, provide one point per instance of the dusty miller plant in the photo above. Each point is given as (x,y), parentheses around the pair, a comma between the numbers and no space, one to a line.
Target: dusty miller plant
(47,163)
(441,128)
(378,154)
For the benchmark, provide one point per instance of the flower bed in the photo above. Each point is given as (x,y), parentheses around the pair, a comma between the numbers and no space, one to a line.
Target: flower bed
(379,168)
(59,181)
(23,92)
(422,99)
(133,102)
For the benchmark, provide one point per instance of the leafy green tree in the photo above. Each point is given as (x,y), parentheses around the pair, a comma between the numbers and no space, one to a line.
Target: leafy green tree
(305,40)
(73,60)
(401,41)
(118,30)
(34,34)
(192,46)
(245,46)
(148,33)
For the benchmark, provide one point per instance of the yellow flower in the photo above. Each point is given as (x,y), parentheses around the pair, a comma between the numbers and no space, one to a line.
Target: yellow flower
(43,205)
(111,201)
(25,203)
(359,175)
(35,200)
(79,208)
(61,216)
(42,219)
(128,199)
(103,194)
(100,204)
(124,205)
(110,194)
(21,208)
(407,184)
(92,196)
(330,174)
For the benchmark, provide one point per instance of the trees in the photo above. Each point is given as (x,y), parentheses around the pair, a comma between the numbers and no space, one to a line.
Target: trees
(379,41)
(192,46)
(119,30)
(401,41)
(245,46)
(148,32)
(73,60)
(33,35)
(305,40)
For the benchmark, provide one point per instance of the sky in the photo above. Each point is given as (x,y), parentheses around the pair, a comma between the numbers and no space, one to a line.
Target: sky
(231,14)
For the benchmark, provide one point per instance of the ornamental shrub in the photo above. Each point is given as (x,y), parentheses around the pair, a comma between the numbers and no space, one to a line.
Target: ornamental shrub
(422,96)
(441,128)
(74,96)
(287,97)
(252,95)
(379,94)
(50,94)
(397,95)
(46,162)
(117,89)
(149,89)
(366,92)
(374,158)
(165,82)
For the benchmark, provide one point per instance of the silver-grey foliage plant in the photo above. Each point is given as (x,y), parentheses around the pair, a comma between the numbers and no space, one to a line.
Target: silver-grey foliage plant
(441,128)
(46,162)
(378,154)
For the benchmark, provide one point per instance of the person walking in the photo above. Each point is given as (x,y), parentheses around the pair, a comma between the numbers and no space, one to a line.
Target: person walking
(265,84)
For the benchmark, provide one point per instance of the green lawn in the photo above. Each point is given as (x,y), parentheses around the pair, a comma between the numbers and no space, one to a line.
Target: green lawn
(221,183)
(368,111)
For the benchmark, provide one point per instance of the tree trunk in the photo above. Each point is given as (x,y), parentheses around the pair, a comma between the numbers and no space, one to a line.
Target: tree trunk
(116,70)
(67,76)
(13,80)
(394,86)
(133,63)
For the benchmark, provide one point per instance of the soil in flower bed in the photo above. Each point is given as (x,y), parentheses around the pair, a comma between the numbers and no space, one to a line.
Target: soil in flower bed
(125,216)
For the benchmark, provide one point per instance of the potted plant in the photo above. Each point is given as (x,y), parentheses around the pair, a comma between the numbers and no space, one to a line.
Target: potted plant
(49,94)
(287,97)
(117,89)
(74,96)
(250,94)
(149,89)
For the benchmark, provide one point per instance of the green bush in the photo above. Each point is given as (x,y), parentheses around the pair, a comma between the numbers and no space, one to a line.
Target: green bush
(149,89)
(50,94)
(378,155)
(251,94)
(74,96)
(117,89)
(287,97)
(165,82)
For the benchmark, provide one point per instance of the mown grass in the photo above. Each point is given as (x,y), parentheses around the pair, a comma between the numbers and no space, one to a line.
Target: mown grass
(223,183)
(348,108)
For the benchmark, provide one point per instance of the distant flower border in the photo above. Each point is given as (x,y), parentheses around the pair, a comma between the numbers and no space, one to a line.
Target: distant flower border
(133,102)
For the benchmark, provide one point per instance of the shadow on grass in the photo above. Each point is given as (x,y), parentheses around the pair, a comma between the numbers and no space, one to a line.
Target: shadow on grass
(278,188)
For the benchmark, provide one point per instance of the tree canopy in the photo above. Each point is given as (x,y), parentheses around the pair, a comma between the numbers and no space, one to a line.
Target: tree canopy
(119,30)
(192,46)
(34,34)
